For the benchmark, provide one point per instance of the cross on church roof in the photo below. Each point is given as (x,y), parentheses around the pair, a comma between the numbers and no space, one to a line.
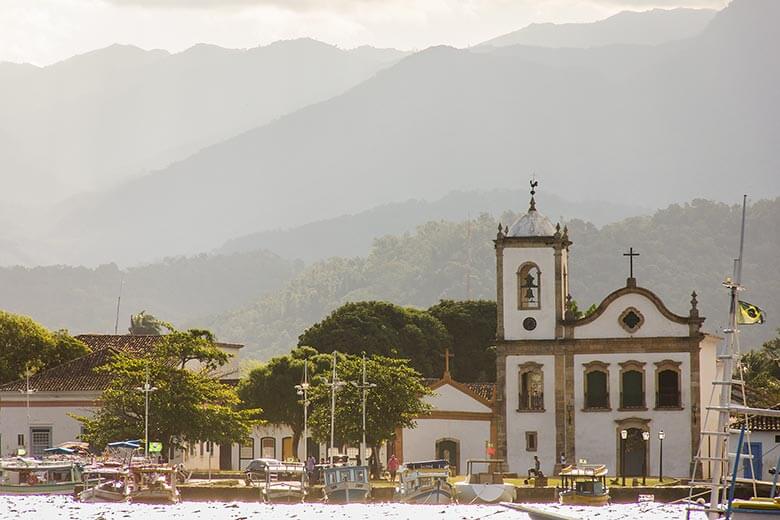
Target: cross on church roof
(631,256)
(447,357)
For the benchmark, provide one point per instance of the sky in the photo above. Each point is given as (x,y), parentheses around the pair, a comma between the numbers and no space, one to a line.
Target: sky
(42,32)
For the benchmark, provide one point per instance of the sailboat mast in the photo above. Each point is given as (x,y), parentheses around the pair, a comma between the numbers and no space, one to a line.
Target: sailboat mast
(333,411)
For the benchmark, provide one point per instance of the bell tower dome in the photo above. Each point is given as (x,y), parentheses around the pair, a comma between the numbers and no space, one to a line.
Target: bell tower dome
(532,276)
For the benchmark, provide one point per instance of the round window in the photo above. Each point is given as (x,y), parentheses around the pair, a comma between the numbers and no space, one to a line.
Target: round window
(529,324)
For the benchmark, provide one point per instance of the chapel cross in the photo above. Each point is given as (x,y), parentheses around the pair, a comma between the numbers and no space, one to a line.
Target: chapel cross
(447,357)
(631,256)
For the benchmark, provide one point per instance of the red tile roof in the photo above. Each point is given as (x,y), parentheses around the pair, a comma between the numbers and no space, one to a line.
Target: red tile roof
(486,391)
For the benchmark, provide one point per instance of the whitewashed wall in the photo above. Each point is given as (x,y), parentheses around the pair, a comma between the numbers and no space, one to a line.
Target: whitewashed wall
(597,432)
(655,325)
(472,436)
(517,423)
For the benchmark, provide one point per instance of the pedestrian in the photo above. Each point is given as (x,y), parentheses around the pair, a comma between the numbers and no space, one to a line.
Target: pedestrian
(392,466)
(537,467)
(563,459)
(311,466)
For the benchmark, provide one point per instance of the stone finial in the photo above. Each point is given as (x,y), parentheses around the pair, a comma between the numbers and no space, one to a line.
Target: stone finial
(500,233)
(694,312)
(569,314)
(557,230)
(506,230)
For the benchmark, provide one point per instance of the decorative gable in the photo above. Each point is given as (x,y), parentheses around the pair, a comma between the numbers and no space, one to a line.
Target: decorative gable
(453,397)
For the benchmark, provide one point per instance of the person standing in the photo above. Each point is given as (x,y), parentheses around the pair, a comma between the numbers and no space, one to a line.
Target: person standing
(311,466)
(392,466)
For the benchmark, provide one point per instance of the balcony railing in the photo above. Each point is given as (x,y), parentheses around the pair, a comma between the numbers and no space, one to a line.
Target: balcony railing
(531,402)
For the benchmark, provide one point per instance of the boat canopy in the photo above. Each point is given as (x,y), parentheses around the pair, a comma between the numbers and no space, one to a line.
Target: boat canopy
(428,464)
(59,450)
(585,470)
(135,445)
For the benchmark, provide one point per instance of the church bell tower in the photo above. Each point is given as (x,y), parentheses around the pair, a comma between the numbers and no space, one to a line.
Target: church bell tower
(532,277)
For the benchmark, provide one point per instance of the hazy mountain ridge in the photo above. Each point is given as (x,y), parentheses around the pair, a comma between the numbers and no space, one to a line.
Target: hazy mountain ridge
(682,248)
(445,119)
(122,111)
(353,235)
(176,289)
(651,27)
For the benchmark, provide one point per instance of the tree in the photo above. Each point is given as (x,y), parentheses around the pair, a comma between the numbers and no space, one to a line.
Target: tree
(394,403)
(761,372)
(385,329)
(24,344)
(271,387)
(143,324)
(188,406)
(471,325)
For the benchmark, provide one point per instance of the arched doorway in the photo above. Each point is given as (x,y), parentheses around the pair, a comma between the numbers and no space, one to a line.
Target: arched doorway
(447,449)
(635,448)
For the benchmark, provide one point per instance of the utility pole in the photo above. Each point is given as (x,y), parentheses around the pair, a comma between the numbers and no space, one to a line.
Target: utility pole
(303,390)
(146,389)
(364,386)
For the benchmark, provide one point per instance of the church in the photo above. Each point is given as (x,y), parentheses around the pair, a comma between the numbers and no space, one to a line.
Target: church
(608,387)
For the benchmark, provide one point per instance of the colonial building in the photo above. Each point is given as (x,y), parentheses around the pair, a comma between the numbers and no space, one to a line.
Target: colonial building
(569,385)
(461,425)
(38,416)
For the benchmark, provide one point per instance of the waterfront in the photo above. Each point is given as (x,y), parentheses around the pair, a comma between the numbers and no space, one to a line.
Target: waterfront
(65,508)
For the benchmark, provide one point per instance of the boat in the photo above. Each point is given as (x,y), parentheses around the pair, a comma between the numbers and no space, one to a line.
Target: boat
(154,484)
(346,484)
(584,485)
(106,484)
(28,476)
(485,487)
(285,482)
(425,482)
(538,513)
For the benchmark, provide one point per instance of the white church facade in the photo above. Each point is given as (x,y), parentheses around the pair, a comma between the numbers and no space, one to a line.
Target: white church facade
(569,385)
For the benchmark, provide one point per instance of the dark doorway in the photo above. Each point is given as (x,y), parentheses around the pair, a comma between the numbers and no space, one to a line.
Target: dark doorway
(225,457)
(447,449)
(635,453)
(756,464)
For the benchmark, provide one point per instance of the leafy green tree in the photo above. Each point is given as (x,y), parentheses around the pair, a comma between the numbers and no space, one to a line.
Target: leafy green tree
(24,344)
(143,324)
(761,372)
(381,328)
(271,387)
(471,325)
(395,402)
(189,405)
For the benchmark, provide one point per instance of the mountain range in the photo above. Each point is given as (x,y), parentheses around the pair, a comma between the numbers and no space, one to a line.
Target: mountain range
(637,125)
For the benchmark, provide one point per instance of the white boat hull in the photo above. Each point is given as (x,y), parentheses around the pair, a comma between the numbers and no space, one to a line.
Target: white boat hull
(484,493)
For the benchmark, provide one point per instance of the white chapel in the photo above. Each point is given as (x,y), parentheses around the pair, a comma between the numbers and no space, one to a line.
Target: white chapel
(568,386)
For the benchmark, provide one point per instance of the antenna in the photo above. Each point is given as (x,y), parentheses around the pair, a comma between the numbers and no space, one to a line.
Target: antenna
(118,304)
(469,260)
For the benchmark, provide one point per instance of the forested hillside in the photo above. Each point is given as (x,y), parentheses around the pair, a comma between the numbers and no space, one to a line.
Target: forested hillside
(81,299)
(682,248)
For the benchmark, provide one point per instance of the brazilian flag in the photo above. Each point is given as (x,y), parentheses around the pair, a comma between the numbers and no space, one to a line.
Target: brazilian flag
(749,314)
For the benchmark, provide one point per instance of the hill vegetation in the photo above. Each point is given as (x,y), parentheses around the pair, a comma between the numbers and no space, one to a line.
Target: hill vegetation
(683,248)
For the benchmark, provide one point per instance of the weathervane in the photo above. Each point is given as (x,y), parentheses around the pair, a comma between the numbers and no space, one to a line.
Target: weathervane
(534,184)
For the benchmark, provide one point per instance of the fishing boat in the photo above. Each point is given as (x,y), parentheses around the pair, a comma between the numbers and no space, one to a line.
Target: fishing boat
(346,484)
(584,485)
(285,482)
(425,482)
(484,487)
(154,484)
(106,484)
(28,476)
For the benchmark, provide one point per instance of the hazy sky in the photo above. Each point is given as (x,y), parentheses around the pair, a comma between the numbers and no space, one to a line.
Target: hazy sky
(45,31)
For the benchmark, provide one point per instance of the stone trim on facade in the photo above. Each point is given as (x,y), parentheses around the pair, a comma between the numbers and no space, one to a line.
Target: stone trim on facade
(595,366)
(632,366)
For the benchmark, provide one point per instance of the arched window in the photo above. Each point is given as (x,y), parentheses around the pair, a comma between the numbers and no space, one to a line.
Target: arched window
(529,286)
(530,388)
(596,385)
(632,385)
(268,447)
(667,382)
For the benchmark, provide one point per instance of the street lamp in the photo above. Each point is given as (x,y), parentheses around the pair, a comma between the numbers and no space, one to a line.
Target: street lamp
(146,389)
(303,390)
(646,437)
(661,436)
(363,387)
(623,437)
(334,385)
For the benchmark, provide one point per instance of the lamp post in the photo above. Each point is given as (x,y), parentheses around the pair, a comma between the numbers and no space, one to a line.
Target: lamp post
(661,436)
(363,387)
(645,437)
(623,437)
(334,385)
(27,393)
(146,389)
(303,390)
